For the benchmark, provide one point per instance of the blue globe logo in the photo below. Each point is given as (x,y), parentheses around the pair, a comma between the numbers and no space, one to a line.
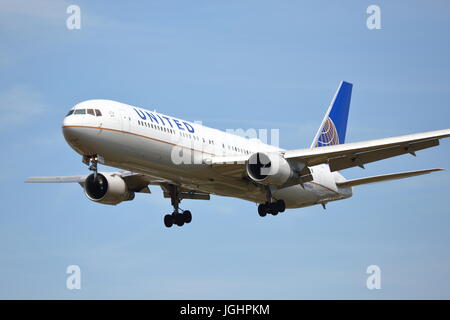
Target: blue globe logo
(329,135)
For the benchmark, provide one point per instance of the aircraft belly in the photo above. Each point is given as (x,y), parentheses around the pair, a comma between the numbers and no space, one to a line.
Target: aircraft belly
(296,196)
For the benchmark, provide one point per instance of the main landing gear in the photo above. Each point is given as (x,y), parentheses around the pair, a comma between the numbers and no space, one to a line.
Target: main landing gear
(178,216)
(272,207)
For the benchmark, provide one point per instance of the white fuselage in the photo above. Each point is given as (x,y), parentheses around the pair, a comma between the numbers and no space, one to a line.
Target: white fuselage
(172,149)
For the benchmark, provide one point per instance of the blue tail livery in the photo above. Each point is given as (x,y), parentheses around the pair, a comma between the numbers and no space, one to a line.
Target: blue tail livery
(334,124)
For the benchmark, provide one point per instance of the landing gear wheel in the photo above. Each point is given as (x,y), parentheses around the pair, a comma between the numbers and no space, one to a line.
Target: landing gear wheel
(262,210)
(178,216)
(178,219)
(280,205)
(187,216)
(168,220)
(273,208)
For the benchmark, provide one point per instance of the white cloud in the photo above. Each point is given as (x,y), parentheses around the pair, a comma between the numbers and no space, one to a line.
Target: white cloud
(19,104)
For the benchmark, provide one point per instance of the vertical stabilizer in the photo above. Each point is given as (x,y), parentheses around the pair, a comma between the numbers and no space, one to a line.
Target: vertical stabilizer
(334,124)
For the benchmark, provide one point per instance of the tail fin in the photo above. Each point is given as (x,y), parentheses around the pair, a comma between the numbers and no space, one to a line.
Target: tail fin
(334,124)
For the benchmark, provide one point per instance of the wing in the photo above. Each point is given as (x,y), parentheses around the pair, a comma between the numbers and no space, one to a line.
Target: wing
(135,182)
(385,177)
(56,179)
(230,166)
(349,155)
(344,156)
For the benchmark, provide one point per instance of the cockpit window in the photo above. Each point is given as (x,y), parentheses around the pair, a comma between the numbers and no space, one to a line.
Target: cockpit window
(93,112)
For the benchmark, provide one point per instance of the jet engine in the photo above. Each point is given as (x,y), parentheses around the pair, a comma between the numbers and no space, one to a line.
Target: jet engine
(269,169)
(107,188)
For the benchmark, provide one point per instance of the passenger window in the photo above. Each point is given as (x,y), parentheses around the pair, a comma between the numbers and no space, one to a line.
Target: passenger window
(80,111)
(69,113)
(98,113)
(91,112)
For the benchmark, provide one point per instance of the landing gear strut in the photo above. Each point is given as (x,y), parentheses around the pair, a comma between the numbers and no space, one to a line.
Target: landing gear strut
(92,162)
(178,216)
(272,207)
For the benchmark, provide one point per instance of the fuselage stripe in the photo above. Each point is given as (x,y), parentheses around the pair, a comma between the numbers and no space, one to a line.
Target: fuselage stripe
(138,135)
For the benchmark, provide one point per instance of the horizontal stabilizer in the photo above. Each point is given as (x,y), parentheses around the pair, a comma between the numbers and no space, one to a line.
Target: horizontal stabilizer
(385,177)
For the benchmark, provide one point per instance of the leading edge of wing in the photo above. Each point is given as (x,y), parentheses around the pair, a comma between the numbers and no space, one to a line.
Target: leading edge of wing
(324,153)
(343,149)
(56,179)
(71,179)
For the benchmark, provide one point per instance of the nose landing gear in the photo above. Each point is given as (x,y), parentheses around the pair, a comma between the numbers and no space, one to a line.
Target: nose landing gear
(92,162)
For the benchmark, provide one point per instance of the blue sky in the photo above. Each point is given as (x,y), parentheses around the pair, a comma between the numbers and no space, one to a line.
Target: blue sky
(231,64)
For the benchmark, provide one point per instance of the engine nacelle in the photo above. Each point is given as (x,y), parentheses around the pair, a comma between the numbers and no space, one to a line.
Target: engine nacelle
(107,188)
(269,169)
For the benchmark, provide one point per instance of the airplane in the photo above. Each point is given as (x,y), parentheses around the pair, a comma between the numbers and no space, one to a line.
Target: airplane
(191,161)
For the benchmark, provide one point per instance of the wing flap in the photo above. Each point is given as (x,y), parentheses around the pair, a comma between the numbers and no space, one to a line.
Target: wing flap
(385,177)
(379,148)
(137,183)
(361,158)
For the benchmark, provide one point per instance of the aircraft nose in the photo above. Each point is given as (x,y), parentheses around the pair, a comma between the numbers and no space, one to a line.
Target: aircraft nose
(69,125)
(70,133)
(71,128)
